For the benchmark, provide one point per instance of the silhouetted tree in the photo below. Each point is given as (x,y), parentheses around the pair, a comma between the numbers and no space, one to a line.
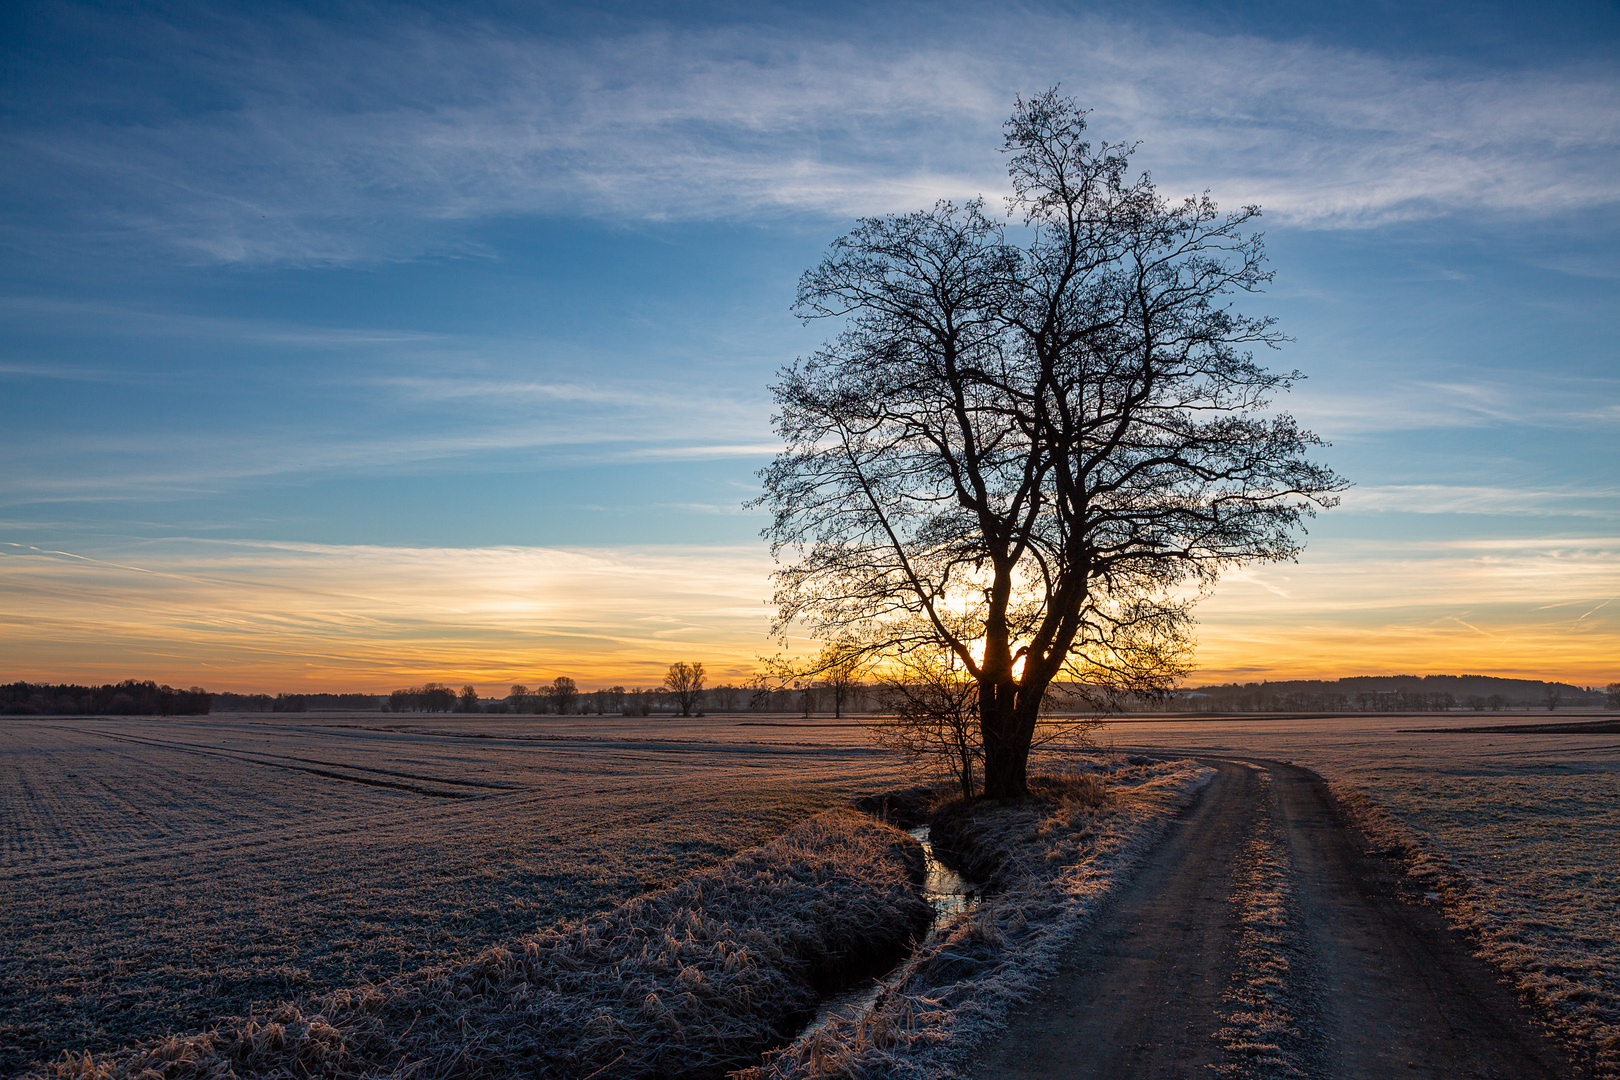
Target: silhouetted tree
(1554,698)
(685,682)
(469,700)
(1021,453)
(933,707)
(841,664)
(563,693)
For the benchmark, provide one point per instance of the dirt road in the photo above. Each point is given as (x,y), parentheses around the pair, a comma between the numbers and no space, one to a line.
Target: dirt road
(1262,939)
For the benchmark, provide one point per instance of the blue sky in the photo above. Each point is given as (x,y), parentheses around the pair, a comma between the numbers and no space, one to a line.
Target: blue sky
(453,297)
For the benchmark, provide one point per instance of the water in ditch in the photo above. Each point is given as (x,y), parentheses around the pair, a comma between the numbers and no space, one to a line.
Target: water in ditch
(947,891)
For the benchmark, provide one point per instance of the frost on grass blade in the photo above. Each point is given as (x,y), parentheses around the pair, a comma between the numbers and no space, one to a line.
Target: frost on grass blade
(691,981)
(1052,862)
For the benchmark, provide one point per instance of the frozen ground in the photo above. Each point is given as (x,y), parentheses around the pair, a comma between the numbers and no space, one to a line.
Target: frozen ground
(1521,832)
(157,875)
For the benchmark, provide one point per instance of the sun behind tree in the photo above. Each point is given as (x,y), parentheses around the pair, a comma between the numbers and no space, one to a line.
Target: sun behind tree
(1031,443)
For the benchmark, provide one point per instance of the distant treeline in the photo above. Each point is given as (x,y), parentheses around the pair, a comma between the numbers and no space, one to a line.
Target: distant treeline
(562,696)
(128,698)
(1377,693)
(1388,693)
(228,702)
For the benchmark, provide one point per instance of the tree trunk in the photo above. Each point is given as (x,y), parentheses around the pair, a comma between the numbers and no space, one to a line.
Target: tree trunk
(1008,732)
(1006,754)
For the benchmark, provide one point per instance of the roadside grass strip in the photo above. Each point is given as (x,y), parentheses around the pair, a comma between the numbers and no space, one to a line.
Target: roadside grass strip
(1551,941)
(1050,864)
(1261,1035)
(691,981)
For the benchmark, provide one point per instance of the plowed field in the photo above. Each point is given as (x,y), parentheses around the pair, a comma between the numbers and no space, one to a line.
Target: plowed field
(157,875)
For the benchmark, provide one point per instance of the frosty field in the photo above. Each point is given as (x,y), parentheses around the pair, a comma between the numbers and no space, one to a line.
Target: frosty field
(1521,833)
(157,875)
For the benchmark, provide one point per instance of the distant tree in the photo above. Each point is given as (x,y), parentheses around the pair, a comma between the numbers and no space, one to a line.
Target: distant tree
(837,668)
(684,682)
(469,700)
(563,693)
(842,664)
(518,700)
(1612,695)
(1025,445)
(1553,698)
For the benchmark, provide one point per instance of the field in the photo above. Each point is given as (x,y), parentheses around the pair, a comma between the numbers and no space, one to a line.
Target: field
(157,875)
(1521,833)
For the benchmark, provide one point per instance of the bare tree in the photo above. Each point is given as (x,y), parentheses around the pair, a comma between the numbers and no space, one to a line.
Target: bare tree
(685,682)
(518,699)
(933,714)
(563,692)
(469,700)
(837,668)
(1024,453)
(841,664)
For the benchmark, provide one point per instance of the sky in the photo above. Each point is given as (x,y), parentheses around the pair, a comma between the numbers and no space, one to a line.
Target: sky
(348,346)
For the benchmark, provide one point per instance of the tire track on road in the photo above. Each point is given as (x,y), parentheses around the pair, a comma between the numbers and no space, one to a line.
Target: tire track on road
(1367,982)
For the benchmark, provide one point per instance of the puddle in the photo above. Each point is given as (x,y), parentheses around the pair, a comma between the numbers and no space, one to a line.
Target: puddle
(947,891)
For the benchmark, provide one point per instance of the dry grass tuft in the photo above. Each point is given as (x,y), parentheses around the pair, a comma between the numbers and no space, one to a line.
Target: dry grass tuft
(1055,858)
(690,981)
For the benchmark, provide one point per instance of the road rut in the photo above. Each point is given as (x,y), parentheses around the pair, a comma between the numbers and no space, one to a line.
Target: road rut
(1263,939)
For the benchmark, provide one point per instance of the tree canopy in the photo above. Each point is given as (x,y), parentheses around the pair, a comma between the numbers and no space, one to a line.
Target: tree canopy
(1034,439)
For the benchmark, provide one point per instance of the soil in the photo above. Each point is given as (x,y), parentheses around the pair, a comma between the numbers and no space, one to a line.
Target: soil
(1377,985)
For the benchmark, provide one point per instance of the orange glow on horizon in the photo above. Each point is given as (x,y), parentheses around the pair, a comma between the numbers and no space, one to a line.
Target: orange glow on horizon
(265,617)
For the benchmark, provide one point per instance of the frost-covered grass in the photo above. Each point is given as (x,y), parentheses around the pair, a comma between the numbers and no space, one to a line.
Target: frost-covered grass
(1261,1035)
(1509,860)
(691,981)
(1520,834)
(163,875)
(1054,861)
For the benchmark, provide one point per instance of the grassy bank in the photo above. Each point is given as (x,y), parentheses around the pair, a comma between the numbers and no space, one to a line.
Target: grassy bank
(690,981)
(1545,914)
(1052,862)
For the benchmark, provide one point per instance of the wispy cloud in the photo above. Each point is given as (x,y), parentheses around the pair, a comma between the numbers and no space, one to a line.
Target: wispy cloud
(353,145)
(1383,399)
(280,613)
(283,615)
(138,467)
(1505,605)
(1479,499)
